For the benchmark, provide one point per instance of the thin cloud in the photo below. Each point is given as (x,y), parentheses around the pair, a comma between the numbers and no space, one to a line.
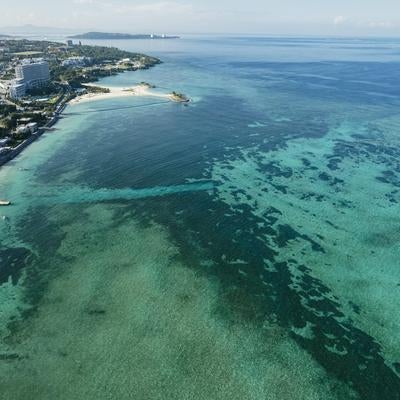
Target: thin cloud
(340,20)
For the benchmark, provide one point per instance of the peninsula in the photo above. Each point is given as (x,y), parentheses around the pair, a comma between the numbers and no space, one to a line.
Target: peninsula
(39,78)
(116,36)
(142,89)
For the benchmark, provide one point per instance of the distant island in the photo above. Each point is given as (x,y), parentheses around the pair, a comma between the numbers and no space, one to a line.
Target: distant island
(107,36)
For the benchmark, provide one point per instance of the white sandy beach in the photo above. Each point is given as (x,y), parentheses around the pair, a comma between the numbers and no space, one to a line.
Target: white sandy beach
(138,90)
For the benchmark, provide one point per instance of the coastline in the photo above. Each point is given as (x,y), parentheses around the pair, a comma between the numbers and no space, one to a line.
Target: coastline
(140,90)
(4,159)
(117,92)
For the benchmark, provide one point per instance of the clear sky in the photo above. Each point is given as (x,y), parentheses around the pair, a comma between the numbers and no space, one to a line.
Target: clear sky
(325,17)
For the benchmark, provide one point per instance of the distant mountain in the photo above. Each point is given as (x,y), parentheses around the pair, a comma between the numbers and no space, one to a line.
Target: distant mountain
(108,36)
(33,29)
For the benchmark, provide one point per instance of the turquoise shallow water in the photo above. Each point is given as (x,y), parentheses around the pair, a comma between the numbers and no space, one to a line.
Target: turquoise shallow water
(245,246)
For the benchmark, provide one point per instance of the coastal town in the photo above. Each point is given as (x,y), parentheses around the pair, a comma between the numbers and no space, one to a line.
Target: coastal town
(39,78)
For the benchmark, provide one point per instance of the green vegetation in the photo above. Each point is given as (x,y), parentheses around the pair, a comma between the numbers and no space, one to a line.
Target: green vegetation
(180,97)
(58,52)
(3,132)
(101,54)
(11,121)
(76,76)
(97,89)
(148,85)
(103,63)
(64,80)
(6,109)
(19,48)
(47,90)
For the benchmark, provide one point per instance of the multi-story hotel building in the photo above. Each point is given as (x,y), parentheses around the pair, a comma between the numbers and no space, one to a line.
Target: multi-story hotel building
(33,73)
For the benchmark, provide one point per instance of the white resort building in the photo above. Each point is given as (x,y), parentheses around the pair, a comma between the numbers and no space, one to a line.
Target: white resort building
(76,62)
(17,89)
(33,72)
(30,74)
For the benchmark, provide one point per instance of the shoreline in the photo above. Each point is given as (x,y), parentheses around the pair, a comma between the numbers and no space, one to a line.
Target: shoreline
(14,152)
(140,90)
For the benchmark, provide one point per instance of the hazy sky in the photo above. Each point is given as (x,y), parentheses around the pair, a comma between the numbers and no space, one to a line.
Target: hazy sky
(337,17)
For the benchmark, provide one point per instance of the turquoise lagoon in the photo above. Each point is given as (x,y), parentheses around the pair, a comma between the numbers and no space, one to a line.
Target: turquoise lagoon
(243,247)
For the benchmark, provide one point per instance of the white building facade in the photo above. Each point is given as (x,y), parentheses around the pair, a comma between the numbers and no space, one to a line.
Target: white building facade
(76,62)
(17,89)
(33,73)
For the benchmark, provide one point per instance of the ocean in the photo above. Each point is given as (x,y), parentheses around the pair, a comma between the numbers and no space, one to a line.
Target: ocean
(244,246)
